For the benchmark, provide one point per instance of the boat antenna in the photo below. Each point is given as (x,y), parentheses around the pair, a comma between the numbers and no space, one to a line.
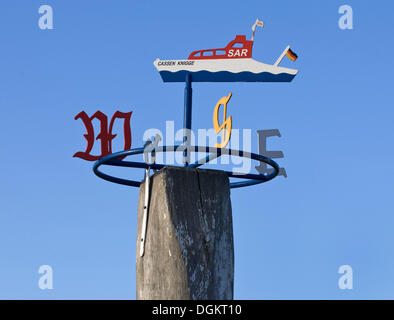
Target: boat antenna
(257,23)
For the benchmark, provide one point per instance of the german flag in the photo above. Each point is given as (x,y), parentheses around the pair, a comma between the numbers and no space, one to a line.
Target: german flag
(292,56)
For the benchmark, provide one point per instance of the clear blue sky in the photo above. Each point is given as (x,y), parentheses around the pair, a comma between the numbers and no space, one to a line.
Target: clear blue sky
(291,235)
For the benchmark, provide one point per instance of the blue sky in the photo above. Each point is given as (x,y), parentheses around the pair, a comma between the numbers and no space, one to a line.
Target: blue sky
(291,235)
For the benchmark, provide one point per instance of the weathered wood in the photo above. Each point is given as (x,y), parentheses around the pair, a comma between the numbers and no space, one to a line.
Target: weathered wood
(189,249)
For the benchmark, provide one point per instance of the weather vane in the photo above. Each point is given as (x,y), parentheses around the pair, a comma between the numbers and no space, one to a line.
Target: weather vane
(232,63)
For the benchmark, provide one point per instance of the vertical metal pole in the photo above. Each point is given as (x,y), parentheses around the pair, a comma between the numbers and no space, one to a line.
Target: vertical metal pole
(187,120)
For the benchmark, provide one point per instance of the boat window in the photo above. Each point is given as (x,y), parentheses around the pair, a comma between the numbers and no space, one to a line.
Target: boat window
(220,52)
(207,53)
(238,45)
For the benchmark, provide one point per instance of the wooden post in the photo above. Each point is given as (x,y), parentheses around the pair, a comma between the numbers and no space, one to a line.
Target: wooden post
(189,249)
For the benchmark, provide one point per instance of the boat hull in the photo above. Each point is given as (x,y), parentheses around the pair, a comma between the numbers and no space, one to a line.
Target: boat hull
(222,70)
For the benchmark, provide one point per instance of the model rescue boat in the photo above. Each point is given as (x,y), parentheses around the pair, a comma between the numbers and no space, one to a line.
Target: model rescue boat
(233,63)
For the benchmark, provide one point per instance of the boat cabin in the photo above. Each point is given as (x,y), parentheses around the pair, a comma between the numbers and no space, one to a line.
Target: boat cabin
(236,49)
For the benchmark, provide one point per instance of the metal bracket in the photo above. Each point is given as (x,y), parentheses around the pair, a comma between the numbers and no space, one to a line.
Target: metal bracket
(150,148)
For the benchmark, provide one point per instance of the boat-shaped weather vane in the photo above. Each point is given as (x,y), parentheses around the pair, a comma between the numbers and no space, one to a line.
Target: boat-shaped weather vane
(232,63)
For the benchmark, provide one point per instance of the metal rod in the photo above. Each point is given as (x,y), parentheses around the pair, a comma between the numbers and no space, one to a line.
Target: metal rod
(187,120)
(145,214)
(112,160)
(281,56)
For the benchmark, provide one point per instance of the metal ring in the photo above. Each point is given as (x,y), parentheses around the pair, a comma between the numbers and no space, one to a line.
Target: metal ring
(113,160)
